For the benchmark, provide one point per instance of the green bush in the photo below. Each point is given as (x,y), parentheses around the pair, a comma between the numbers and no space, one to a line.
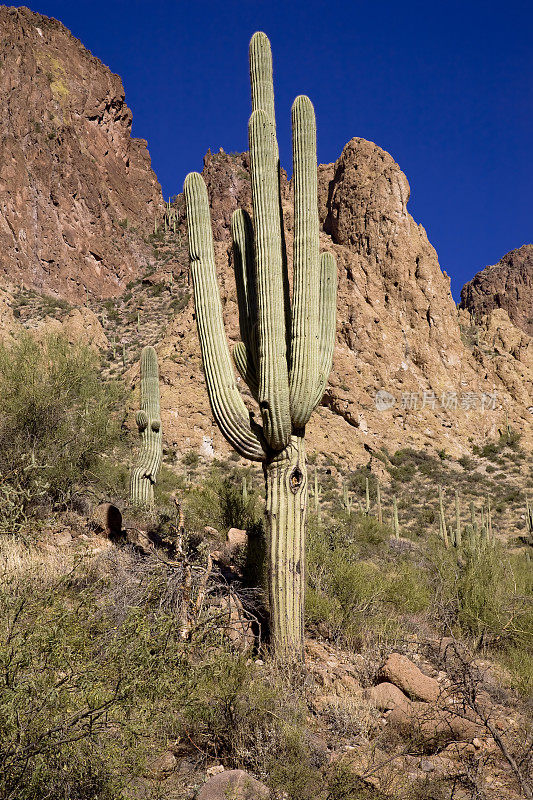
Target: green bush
(356,584)
(218,501)
(57,417)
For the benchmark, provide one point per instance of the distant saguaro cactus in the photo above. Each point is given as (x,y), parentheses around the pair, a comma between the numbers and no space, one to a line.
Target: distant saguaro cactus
(148,418)
(286,351)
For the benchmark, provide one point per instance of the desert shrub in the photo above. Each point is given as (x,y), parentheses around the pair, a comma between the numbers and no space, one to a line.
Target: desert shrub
(218,501)
(355,582)
(95,679)
(191,459)
(487,595)
(57,417)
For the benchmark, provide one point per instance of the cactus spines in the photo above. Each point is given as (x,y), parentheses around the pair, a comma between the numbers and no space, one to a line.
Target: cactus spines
(490,534)
(148,418)
(227,404)
(347,499)
(284,356)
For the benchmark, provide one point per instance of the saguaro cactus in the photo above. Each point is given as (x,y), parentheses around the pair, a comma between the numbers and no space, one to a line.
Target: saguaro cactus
(148,418)
(286,351)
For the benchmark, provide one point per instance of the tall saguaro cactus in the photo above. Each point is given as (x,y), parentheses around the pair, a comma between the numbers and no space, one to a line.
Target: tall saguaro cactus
(148,418)
(286,351)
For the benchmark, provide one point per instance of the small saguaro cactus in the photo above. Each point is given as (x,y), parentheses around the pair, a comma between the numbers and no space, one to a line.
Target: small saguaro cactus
(378,501)
(286,350)
(148,418)
(395,521)
(317,493)
(442,519)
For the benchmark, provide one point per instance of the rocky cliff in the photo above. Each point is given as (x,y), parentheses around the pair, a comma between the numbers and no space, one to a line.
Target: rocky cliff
(76,191)
(508,285)
(408,370)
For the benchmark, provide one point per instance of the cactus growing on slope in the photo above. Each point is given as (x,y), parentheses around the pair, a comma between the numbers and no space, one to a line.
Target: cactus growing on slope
(286,350)
(148,418)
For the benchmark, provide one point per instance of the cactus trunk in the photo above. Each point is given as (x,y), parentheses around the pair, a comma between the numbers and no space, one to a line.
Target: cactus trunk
(286,512)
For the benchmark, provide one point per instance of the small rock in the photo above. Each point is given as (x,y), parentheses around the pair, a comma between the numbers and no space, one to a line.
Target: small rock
(235,784)
(350,683)
(401,671)
(426,766)
(237,624)
(477,743)
(163,765)
(236,540)
(216,769)
(62,537)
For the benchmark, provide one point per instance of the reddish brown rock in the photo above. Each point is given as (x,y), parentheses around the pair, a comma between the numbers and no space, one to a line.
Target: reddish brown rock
(237,539)
(400,671)
(386,696)
(73,183)
(507,285)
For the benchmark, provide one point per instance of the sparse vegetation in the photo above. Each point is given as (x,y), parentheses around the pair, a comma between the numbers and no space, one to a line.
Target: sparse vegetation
(57,418)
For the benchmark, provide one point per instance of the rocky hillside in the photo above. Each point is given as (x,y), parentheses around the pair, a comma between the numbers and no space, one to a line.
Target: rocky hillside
(508,285)
(76,191)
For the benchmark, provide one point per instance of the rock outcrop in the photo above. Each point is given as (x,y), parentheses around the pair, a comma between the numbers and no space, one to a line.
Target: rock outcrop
(76,191)
(508,285)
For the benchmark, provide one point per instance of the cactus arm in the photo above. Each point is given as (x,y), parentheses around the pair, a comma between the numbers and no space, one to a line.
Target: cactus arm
(228,406)
(305,305)
(328,315)
(273,376)
(261,78)
(242,234)
(262,87)
(246,368)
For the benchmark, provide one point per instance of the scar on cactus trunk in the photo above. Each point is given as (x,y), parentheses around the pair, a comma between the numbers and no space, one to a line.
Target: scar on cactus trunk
(148,418)
(287,348)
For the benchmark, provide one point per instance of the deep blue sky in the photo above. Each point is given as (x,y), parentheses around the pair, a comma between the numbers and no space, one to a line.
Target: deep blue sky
(445,87)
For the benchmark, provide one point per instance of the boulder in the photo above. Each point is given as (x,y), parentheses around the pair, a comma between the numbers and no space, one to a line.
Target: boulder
(235,784)
(386,696)
(106,519)
(237,539)
(401,671)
